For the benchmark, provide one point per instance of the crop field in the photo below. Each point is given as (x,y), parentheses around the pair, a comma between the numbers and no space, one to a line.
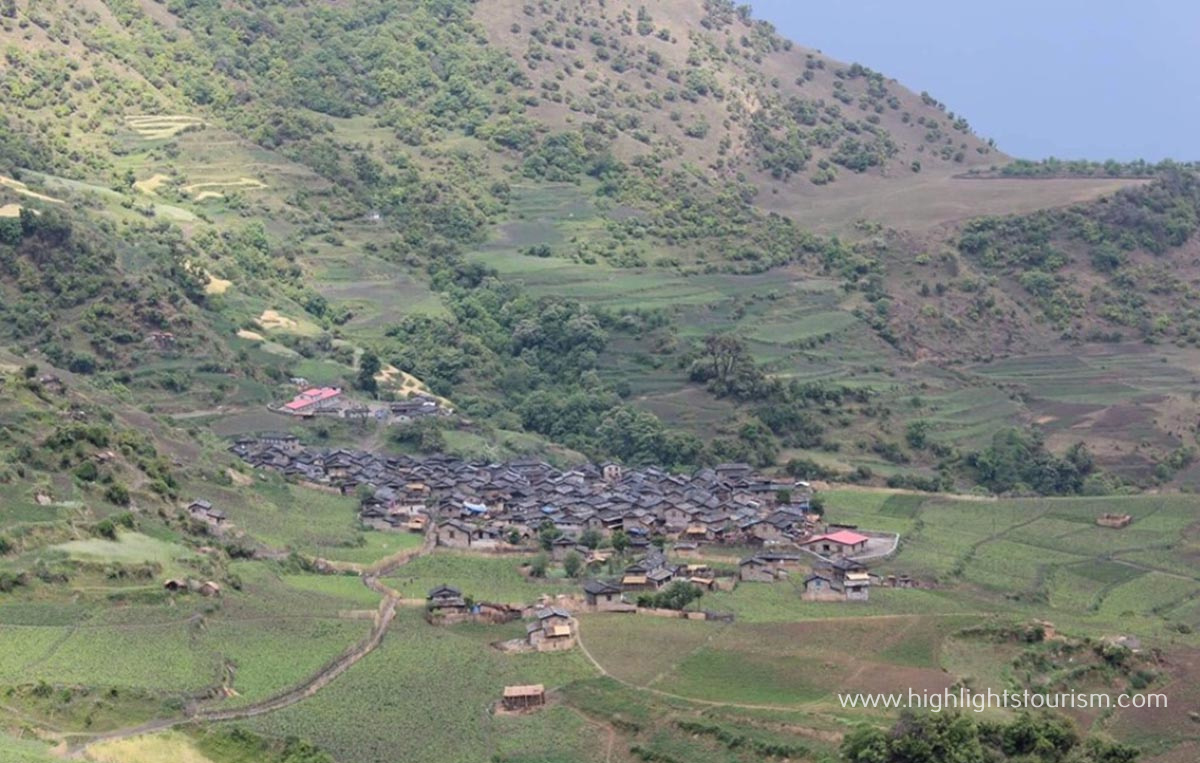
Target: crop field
(773,663)
(129,548)
(161,126)
(349,588)
(619,643)
(271,655)
(289,516)
(423,677)
(375,546)
(484,578)
(16,750)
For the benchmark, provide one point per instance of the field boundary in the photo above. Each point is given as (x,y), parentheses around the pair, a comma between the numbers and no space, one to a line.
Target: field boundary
(384,614)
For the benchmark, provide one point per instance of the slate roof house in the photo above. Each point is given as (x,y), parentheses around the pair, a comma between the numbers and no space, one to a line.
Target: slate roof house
(603,595)
(445,599)
(480,504)
(839,580)
(552,630)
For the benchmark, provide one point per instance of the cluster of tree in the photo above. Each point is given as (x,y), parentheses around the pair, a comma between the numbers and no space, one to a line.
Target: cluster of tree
(1017,461)
(1052,167)
(539,355)
(1034,248)
(950,737)
(677,595)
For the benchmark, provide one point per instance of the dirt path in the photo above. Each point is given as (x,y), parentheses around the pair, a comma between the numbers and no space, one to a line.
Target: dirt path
(386,612)
(713,703)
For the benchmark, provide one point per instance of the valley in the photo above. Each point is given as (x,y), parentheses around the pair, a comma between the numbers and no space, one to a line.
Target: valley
(659,239)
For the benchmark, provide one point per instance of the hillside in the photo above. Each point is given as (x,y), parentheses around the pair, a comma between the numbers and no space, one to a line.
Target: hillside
(281,189)
(654,236)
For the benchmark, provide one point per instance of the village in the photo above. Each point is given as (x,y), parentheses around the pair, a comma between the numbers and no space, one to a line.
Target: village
(648,514)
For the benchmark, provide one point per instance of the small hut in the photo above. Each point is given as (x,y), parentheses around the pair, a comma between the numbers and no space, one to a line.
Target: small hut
(524,697)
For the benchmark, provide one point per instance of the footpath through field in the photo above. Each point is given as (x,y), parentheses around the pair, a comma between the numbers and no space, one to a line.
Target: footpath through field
(371,575)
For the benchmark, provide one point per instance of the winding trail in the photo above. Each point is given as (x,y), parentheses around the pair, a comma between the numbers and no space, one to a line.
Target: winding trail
(370,575)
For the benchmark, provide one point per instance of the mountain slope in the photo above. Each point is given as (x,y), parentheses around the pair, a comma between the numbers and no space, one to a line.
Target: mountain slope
(283,186)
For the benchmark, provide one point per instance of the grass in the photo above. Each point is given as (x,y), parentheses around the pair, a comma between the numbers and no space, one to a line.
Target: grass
(272,655)
(151,748)
(781,663)
(128,548)
(424,678)
(15,750)
(485,578)
(283,515)
(375,546)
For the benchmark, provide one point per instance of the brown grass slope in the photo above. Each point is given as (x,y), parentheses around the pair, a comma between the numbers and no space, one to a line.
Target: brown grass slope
(826,143)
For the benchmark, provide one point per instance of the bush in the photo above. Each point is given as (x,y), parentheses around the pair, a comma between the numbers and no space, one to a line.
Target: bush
(117,495)
(105,528)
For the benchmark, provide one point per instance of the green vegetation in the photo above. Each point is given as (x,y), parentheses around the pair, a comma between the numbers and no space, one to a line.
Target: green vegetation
(949,736)
(599,232)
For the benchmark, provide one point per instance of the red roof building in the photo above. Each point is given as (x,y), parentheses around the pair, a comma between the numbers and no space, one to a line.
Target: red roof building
(840,542)
(311,399)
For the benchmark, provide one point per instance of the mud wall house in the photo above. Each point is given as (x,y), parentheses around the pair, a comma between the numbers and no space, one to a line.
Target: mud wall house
(857,586)
(820,586)
(518,698)
(756,569)
(454,533)
(552,630)
(445,599)
(203,511)
(561,546)
(1115,521)
(603,595)
(288,443)
(634,581)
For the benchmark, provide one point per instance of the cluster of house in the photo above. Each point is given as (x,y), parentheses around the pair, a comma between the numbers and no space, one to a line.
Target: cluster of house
(202,510)
(487,505)
(445,605)
(333,402)
(202,587)
(550,629)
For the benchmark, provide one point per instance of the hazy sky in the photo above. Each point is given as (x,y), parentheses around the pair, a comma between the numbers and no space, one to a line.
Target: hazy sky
(1067,78)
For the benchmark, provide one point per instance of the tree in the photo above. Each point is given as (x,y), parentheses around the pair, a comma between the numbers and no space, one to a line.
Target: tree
(572,564)
(547,534)
(368,366)
(620,541)
(539,565)
(916,434)
(590,538)
(675,596)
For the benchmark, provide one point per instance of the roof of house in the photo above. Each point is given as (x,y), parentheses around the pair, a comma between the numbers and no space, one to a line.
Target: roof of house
(600,586)
(310,396)
(527,690)
(845,537)
(443,591)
